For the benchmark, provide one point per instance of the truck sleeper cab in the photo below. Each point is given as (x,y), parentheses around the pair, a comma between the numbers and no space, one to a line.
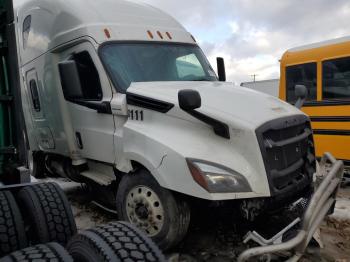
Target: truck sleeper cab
(120,96)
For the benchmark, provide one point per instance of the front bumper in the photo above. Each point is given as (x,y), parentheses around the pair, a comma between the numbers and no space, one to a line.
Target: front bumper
(321,204)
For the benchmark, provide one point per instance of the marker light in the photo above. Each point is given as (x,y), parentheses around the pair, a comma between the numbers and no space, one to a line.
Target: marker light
(150,34)
(160,34)
(107,33)
(169,35)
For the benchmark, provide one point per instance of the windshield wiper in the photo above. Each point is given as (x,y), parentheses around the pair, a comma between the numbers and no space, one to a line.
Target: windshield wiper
(201,79)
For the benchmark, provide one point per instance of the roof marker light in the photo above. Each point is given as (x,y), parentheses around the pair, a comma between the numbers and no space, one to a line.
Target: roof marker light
(169,35)
(150,34)
(160,34)
(107,33)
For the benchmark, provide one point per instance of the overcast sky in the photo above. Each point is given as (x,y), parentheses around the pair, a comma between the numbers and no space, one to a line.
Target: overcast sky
(252,35)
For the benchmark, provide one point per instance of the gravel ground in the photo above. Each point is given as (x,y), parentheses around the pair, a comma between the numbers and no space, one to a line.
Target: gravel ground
(217,237)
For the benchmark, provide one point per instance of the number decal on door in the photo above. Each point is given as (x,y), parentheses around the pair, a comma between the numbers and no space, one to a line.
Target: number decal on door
(136,115)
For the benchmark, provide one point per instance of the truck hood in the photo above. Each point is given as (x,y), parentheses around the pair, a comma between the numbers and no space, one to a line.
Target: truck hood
(222,101)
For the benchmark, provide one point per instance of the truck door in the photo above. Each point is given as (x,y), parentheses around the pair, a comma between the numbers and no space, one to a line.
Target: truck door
(93,130)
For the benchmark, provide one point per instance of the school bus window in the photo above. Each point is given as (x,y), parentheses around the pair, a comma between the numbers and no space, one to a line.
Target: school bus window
(336,79)
(304,74)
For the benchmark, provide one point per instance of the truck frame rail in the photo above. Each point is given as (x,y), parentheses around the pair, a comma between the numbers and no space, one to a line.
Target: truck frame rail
(320,205)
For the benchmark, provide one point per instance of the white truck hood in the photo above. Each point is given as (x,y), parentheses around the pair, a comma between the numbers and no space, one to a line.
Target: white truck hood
(222,101)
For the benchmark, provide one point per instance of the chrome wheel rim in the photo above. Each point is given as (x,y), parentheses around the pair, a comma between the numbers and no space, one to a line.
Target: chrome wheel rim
(145,210)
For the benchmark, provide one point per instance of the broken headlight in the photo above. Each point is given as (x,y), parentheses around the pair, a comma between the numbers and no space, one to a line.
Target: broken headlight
(216,178)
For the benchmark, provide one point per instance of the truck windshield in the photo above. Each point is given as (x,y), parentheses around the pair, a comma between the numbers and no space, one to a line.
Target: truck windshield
(128,63)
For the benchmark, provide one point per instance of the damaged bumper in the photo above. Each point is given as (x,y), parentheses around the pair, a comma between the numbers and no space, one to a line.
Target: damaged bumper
(321,204)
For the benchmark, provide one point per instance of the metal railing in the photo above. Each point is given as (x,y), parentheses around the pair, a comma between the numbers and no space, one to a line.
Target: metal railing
(319,207)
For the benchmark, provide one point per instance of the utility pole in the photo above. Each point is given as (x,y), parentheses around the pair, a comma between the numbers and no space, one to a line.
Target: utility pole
(254,77)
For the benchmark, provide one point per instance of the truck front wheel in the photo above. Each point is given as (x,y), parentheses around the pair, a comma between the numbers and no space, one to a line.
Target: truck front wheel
(142,202)
(36,162)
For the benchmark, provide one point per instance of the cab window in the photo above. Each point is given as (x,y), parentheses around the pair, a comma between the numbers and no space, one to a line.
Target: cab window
(89,77)
(26,29)
(304,74)
(189,66)
(336,79)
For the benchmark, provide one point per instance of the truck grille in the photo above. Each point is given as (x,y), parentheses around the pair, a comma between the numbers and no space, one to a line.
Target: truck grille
(287,148)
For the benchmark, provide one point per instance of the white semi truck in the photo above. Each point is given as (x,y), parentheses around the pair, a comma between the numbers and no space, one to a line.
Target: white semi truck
(119,95)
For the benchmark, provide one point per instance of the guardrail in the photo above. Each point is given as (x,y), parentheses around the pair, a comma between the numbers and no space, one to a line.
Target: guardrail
(319,207)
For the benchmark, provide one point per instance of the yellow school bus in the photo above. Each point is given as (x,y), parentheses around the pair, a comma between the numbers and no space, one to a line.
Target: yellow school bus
(324,69)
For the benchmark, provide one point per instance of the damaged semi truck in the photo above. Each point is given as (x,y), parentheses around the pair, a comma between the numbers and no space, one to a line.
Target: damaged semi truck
(36,220)
(119,95)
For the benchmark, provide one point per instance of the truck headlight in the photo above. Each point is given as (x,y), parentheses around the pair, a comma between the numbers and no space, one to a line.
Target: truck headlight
(216,178)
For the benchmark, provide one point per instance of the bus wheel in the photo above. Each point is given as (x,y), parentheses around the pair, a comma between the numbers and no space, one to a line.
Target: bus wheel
(118,241)
(142,202)
(49,216)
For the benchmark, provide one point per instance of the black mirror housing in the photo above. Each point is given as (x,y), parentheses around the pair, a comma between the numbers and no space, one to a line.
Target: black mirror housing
(301,94)
(300,91)
(221,69)
(70,80)
(189,100)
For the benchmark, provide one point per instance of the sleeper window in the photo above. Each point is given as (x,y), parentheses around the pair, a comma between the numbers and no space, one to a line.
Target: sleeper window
(304,74)
(26,29)
(88,75)
(336,79)
(35,95)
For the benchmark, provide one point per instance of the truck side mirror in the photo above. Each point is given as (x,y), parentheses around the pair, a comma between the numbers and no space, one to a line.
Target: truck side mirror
(221,69)
(70,80)
(189,100)
(301,95)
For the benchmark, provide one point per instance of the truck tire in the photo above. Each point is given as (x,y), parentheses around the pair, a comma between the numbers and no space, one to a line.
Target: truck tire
(142,202)
(114,242)
(12,233)
(37,164)
(49,216)
(51,252)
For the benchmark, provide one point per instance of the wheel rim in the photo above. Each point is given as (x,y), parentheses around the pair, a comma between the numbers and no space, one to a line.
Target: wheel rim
(145,210)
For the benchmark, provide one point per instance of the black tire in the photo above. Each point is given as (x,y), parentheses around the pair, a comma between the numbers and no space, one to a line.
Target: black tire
(12,233)
(176,216)
(49,216)
(51,252)
(37,164)
(114,242)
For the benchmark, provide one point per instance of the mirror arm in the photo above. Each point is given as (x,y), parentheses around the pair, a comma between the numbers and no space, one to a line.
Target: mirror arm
(300,102)
(100,107)
(221,129)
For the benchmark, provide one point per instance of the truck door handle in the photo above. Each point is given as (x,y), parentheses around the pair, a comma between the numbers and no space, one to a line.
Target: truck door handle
(79,140)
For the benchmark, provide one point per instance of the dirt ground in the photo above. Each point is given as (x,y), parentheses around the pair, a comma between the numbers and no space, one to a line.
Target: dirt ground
(218,238)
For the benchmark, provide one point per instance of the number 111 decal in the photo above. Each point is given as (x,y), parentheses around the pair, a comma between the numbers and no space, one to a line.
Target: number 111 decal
(136,115)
